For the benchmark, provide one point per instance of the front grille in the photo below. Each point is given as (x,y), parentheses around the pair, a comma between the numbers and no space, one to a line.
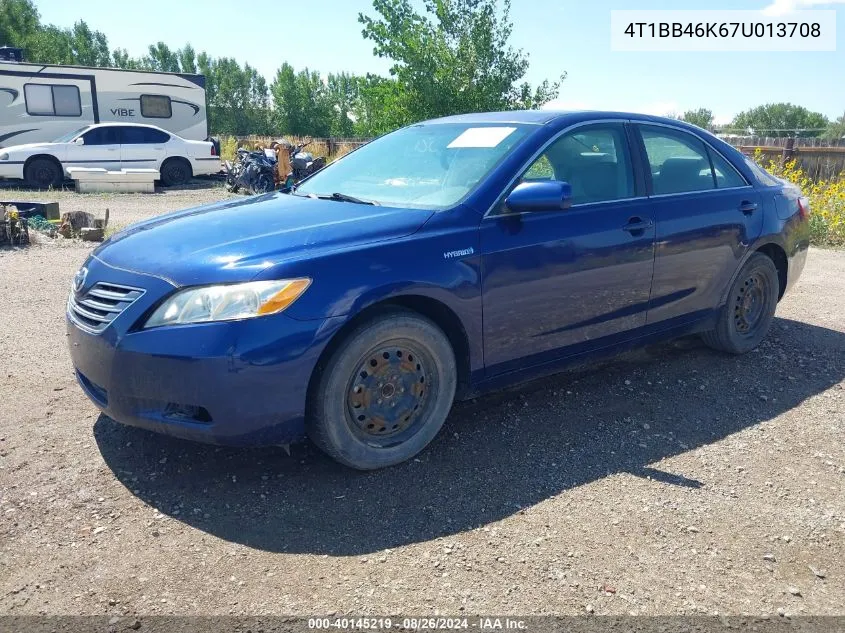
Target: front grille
(100,305)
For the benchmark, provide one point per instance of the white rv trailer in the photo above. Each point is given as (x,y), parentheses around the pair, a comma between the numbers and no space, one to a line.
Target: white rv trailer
(40,103)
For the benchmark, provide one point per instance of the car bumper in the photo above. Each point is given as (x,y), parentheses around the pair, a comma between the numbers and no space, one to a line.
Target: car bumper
(11,169)
(238,383)
(206,166)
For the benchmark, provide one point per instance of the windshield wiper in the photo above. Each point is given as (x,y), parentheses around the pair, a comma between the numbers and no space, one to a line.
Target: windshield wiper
(342,197)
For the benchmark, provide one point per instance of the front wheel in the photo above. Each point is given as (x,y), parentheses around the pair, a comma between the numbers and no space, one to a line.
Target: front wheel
(384,393)
(43,173)
(747,315)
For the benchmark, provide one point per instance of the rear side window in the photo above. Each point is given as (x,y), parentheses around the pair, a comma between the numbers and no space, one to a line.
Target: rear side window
(726,174)
(156,107)
(109,135)
(678,162)
(52,100)
(142,135)
(594,161)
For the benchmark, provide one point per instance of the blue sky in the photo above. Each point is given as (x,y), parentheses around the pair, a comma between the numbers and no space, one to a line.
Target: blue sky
(558,35)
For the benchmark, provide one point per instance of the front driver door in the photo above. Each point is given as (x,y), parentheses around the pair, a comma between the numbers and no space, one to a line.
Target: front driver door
(561,282)
(101,148)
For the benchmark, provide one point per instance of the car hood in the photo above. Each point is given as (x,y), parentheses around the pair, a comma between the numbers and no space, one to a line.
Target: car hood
(235,240)
(28,147)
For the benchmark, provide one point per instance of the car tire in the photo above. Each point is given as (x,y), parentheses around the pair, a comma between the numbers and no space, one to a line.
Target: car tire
(44,173)
(745,318)
(384,393)
(175,172)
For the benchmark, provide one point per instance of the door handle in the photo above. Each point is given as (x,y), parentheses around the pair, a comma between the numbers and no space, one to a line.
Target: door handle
(747,207)
(637,226)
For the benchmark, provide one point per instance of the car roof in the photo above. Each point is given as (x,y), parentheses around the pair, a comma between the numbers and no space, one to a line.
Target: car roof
(121,123)
(542,117)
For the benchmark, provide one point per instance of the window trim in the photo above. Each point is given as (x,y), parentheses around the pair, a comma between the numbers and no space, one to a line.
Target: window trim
(708,147)
(169,106)
(53,99)
(636,166)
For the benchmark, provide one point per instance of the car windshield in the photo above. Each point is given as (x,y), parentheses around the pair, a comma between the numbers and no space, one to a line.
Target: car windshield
(431,166)
(66,138)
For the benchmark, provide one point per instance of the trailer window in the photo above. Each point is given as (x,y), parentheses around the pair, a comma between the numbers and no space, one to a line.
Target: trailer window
(156,107)
(51,100)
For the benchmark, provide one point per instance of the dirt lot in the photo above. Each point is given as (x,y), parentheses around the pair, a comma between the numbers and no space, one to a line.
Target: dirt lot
(671,481)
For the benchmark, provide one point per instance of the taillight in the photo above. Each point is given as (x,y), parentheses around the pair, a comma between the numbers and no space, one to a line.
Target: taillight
(213,150)
(804,207)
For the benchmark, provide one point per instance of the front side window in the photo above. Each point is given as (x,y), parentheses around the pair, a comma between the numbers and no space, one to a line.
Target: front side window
(108,135)
(50,100)
(431,166)
(156,107)
(594,160)
(678,161)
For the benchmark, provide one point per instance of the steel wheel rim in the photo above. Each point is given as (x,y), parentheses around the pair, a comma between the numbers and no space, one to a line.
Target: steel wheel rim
(386,397)
(750,304)
(44,175)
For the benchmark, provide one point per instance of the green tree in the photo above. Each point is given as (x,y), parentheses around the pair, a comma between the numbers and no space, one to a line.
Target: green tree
(121,59)
(702,117)
(160,58)
(781,119)
(19,22)
(303,103)
(187,59)
(836,129)
(453,58)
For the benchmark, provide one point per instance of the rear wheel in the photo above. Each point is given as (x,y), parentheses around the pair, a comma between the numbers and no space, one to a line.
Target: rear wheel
(384,393)
(747,315)
(43,173)
(175,171)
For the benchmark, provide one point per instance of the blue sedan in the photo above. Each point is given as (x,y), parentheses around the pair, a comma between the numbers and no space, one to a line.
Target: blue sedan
(440,261)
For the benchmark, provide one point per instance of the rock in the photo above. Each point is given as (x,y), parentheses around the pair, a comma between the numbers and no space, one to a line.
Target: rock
(795,591)
(764,398)
(135,625)
(692,529)
(769,557)
(818,573)
(99,530)
(92,235)
(589,608)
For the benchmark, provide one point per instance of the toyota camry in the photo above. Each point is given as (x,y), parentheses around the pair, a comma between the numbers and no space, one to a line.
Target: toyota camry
(438,262)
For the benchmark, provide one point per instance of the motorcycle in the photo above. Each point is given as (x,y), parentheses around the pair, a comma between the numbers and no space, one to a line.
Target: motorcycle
(252,171)
(303,164)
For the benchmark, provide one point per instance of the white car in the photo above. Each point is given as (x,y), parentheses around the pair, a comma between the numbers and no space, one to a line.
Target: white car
(112,146)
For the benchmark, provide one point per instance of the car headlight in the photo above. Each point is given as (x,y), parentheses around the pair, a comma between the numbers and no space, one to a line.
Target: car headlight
(228,302)
(4,156)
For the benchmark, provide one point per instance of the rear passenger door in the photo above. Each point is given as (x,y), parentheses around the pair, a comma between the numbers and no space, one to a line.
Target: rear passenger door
(706,213)
(142,147)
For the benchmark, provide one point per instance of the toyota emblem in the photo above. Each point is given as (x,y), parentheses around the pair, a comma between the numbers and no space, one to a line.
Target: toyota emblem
(79,279)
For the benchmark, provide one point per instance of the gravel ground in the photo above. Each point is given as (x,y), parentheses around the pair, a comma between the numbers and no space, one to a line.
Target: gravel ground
(672,480)
(124,208)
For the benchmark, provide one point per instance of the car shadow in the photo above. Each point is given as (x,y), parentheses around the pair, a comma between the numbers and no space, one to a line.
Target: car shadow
(494,457)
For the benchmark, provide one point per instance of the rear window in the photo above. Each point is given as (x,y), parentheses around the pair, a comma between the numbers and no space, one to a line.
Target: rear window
(156,107)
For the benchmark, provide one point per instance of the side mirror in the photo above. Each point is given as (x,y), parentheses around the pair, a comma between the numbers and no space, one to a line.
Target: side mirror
(79,141)
(545,195)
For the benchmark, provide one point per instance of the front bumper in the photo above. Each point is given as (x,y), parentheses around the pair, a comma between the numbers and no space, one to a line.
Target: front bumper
(239,382)
(11,169)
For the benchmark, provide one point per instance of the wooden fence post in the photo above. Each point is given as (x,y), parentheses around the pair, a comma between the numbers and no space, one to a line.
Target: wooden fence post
(788,151)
